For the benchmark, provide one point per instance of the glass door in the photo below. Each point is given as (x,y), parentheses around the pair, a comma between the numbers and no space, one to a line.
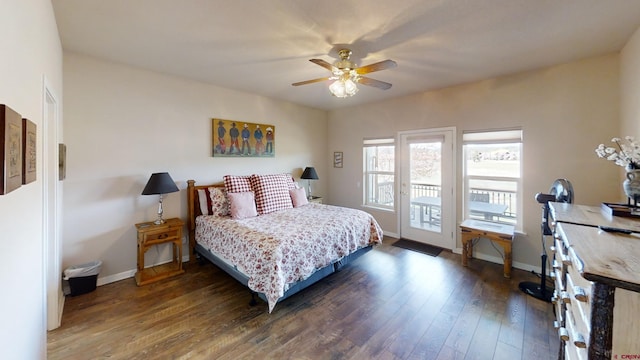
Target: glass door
(427,211)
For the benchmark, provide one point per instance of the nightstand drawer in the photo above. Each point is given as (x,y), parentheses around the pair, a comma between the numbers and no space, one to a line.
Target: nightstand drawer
(161,235)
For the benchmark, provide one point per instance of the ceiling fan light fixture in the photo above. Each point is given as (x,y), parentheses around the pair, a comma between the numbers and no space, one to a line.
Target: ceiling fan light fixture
(344,86)
(338,89)
(345,75)
(350,87)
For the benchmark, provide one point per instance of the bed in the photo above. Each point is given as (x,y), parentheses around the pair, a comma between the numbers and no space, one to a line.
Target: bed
(283,245)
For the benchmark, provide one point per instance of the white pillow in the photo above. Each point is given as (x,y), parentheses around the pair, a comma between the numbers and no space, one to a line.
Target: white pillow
(298,197)
(243,205)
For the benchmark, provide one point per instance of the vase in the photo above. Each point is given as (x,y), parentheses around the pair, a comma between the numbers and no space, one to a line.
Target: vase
(631,185)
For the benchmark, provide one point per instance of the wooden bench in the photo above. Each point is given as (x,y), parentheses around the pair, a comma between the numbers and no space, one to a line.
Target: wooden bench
(499,233)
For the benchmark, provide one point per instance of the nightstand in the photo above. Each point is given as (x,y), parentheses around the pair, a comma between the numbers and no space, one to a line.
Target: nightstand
(149,235)
(316,199)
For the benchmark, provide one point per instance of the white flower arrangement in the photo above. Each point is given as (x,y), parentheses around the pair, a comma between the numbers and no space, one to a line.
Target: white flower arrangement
(625,155)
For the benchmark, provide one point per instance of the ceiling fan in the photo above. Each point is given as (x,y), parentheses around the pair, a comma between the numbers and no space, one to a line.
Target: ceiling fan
(345,74)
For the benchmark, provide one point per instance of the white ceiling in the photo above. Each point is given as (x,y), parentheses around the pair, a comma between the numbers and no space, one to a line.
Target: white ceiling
(262,46)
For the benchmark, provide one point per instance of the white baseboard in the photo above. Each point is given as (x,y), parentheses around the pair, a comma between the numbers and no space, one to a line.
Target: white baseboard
(115,277)
(494,259)
(61,299)
(129,273)
(498,260)
(391,234)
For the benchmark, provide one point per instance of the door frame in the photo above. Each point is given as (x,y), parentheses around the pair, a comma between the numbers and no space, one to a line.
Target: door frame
(52,209)
(452,238)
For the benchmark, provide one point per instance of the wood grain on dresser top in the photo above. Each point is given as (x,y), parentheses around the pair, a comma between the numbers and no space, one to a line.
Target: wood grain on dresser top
(608,258)
(590,216)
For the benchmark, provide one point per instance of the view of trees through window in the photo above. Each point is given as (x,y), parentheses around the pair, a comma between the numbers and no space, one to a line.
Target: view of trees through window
(425,163)
(493,160)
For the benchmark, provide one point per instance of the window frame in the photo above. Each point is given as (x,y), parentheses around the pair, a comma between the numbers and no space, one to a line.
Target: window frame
(490,137)
(376,143)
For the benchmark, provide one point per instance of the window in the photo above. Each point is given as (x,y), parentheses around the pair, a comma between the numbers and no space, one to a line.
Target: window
(379,173)
(492,176)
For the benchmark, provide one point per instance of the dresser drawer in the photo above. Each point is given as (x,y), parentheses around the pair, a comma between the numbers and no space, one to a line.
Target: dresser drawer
(579,290)
(558,267)
(561,259)
(578,338)
(573,353)
(559,245)
(559,310)
(559,280)
(580,299)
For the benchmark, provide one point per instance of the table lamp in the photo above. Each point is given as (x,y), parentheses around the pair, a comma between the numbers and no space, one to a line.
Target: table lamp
(159,184)
(309,174)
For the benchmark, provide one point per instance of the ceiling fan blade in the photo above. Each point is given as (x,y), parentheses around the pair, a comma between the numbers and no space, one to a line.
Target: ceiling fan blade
(324,64)
(382,65)
(310,81)
(375,83)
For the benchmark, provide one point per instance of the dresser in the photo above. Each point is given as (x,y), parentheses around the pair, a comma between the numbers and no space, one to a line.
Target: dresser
(597,283)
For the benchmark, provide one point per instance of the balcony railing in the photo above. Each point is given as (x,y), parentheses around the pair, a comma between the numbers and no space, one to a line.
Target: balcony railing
(382,194)
(502,197)
(385,193)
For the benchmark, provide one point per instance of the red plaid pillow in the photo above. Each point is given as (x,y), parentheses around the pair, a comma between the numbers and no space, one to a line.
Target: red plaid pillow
(272,192)
(235,183)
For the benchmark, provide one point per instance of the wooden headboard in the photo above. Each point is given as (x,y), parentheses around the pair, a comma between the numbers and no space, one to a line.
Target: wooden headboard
(193,210)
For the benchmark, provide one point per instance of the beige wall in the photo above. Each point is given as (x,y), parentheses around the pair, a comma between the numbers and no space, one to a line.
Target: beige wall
(123,123)
(565,112)
(630,84)
(30,51)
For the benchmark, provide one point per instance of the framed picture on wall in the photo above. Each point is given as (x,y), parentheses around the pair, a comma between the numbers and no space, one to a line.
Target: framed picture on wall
(10,149)
(337,159)
(242,139)
(28,151)
(62,161)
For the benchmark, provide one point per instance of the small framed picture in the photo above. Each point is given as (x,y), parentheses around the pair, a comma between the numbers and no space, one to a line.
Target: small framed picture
(10,150)
(28,151)
(337,159)
(62,161)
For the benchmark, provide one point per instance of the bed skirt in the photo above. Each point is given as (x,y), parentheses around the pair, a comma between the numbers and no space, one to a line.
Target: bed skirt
(293,288)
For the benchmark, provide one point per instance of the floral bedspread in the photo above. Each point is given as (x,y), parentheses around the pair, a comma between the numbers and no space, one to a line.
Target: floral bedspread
(283,247)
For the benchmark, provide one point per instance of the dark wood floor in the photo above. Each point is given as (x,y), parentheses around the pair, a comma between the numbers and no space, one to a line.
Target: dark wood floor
(389,304)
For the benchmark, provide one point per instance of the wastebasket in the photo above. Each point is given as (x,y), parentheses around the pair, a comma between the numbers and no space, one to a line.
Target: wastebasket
(81,279)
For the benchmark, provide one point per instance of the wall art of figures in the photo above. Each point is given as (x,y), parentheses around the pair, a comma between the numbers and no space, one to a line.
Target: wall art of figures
(10,149)
(29,161)
(233,138)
